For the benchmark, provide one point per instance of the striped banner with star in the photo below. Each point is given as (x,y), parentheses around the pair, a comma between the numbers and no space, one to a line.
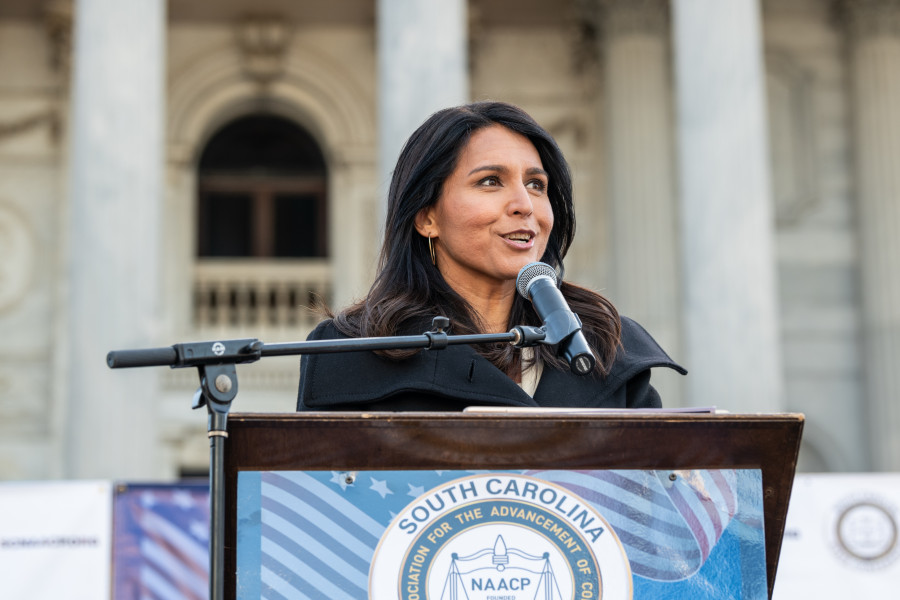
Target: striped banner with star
(161,542)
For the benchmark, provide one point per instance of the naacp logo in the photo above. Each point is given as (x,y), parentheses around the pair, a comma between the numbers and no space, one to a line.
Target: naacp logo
(499,537)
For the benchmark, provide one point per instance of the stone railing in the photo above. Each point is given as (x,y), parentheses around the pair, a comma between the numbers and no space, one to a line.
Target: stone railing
(270,298)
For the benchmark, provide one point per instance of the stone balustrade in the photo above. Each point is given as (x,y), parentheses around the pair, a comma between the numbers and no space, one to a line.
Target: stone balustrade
(263,299)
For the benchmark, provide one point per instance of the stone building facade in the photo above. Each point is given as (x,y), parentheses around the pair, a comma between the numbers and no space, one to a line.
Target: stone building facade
(736,192)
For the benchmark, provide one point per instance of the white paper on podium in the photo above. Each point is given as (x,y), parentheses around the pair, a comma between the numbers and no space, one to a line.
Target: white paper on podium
(841,538)
(55,540)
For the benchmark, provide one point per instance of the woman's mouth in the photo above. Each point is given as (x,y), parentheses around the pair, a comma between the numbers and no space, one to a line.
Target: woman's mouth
(521,239)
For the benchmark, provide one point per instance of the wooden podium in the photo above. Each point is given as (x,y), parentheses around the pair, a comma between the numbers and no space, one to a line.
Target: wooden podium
(549,440)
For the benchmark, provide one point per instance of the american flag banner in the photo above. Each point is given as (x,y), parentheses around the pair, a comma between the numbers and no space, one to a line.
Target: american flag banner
(161,542)
(315,534)
(319,532)
(668,521)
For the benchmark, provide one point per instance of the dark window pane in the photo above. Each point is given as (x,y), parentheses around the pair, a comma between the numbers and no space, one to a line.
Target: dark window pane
(262,144)
(297,231)
(262,187)
(225,225)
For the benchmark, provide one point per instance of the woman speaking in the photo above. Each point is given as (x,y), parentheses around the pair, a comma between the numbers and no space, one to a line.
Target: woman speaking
(479,192)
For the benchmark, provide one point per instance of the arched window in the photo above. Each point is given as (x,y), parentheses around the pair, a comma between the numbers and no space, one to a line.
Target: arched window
(262,242)
(262,192)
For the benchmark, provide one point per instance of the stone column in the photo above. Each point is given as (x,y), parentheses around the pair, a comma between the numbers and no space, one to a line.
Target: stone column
(422,67)
(728,274)
(115,189)
(874,29)
(644,216)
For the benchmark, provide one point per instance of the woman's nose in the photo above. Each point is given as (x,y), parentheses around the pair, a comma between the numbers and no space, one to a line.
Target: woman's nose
(520,203)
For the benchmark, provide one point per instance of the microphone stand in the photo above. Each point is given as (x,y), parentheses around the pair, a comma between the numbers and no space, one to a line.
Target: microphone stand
(215,362)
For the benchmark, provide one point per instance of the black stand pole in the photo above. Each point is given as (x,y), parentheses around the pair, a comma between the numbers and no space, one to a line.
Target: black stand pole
(217,398)
(215,362)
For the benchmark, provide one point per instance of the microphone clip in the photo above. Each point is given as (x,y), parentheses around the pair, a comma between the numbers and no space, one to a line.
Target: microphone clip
(560,325)
(437,337)
(526,335)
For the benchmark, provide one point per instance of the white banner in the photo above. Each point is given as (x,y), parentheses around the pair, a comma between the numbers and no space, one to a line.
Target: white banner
(55,540)
(841,538)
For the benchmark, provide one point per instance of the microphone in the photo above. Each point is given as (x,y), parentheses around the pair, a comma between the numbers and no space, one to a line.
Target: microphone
(537,283)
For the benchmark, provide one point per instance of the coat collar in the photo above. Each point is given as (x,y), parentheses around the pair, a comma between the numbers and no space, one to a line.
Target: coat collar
(460,373)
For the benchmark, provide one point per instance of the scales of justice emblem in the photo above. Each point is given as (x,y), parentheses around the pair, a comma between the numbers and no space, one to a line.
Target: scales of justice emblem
(499,537)
(519,570)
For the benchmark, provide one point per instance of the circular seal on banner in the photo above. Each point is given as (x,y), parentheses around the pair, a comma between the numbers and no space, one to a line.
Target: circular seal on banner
(867,532)
(499,537)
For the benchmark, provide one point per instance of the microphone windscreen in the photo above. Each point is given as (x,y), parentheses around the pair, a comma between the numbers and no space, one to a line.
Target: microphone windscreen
(530,272)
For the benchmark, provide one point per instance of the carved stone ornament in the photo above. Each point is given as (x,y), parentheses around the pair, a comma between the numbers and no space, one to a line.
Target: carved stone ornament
(17,257)
(263,44)
(872,18)
(792,138)
(49,118)
(58,19)
(593,22)
(630,17)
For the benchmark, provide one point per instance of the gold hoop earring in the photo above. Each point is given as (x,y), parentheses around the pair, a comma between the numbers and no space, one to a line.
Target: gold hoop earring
(431,251)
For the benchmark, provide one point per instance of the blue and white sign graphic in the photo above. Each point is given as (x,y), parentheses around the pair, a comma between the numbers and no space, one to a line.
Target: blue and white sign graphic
(553,534)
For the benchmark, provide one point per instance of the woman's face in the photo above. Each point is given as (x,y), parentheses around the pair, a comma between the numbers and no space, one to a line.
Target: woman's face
(493,215)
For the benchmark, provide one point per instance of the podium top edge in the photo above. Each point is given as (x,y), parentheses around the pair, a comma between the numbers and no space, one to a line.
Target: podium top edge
(535,414)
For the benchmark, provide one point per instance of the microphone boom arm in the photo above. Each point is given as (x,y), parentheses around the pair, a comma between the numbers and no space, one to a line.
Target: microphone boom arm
(215,362)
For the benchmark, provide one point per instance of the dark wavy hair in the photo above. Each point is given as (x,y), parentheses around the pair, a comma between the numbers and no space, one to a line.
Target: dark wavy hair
(408,290)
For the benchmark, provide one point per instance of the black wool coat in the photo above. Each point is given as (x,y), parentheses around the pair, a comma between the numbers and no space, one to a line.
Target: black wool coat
(457,376)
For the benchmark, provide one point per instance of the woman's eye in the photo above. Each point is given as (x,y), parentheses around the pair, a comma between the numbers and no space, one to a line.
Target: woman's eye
(537,185)
(493,180)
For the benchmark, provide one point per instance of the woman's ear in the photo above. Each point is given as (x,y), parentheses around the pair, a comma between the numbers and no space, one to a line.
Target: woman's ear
(426,224)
